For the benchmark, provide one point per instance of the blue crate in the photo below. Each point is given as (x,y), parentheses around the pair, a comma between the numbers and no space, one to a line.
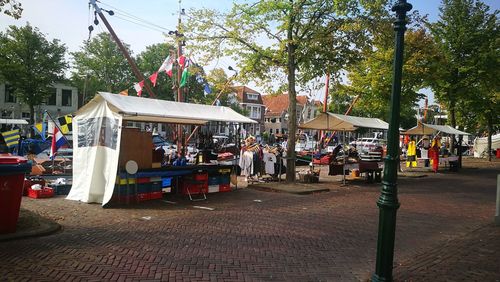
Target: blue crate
(213,180)
(224,179)
(144,188)
(166,181)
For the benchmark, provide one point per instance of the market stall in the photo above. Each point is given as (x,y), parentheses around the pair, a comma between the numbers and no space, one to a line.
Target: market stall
(102,145)
(337,122)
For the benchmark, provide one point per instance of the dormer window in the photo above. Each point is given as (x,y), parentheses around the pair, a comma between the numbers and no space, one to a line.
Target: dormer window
(254,97)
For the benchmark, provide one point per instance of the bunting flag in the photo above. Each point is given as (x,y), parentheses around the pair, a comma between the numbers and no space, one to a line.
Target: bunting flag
(138,88)
(66,124)
(41,127)
(11,137)
(181,60)
(124,92)
(166,66)
(153,78)
(57,141)
(184,77)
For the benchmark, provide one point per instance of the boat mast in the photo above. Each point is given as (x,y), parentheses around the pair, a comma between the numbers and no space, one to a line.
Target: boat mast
(131,62)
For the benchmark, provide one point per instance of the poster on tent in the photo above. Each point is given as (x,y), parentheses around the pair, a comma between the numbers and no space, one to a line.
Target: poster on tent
(96,143)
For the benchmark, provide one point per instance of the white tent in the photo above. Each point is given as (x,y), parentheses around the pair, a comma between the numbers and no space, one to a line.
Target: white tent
(97,136)
(331,122)
(428,129)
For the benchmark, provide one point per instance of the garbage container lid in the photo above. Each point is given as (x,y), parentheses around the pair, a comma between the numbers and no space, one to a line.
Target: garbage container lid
(8,159)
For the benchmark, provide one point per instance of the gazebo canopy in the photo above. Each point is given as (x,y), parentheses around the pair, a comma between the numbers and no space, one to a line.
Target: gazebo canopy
(331,122)
(428,129)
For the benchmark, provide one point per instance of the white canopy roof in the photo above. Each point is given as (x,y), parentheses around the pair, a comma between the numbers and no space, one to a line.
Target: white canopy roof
(330,121)
(12,121)
(427,129)
(153,110)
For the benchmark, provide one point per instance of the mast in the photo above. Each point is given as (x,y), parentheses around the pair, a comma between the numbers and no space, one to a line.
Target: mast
(180,135)
(131,62)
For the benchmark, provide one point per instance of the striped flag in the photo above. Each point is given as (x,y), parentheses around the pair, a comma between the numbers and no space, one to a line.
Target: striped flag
(57,141)
(11,138)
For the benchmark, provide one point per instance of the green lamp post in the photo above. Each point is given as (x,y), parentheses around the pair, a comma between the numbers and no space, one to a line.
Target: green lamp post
(388,202)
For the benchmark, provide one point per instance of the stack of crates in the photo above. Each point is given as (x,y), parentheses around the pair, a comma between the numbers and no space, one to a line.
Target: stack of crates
(225,180)
(194,184)
(139,189)
(166,184)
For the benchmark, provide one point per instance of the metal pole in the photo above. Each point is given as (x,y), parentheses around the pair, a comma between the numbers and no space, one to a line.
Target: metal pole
(180,143)
(131,62)
(388,202)
(497,214)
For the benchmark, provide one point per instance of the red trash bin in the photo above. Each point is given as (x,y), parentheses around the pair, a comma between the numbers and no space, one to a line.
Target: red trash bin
(498,153)
(12,170)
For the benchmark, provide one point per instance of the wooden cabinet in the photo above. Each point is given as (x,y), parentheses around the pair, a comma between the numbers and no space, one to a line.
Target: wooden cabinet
(136,145)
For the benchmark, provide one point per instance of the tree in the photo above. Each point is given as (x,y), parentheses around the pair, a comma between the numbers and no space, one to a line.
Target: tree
(150,61)
(466,74)
(31,63)
(371,77)
(14,10)
(100,66)
(311,36)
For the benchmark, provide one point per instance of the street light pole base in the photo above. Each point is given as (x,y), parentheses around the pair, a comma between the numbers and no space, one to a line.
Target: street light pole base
(376,278)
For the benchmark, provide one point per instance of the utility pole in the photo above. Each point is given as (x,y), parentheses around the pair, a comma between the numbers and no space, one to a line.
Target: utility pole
(388,201)
(327,85)
(179,36)
(131,62)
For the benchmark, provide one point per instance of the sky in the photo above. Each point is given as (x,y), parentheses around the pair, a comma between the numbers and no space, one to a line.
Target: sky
(68,20)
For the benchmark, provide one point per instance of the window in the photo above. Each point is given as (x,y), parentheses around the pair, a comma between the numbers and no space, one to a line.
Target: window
(273,120)
(9,94)
(252,96)
(25,115)
(255,112)
(66,97)
(309,113)
(277,130)
(51,100)
(270,131)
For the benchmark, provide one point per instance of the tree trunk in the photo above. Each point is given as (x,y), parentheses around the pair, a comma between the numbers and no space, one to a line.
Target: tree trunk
(32,121)
(292,107)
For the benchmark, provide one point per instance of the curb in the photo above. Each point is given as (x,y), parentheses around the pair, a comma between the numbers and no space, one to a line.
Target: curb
(46,227)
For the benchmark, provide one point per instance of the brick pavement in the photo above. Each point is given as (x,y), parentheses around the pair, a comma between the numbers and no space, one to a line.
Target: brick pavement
(320,237)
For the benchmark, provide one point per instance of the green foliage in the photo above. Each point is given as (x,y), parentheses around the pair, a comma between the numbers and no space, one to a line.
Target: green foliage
(371,77)
(150,61)
(102,62)
(14,10)
(467,70)
(30,63)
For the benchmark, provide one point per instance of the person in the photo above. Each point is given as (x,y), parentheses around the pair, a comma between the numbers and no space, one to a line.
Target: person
(180,160)
(411,157)
(434,152)
(424,150)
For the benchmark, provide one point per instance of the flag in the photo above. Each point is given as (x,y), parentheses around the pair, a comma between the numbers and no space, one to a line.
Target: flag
(124,92)
(41,129)
(57,141)
(181,60)
(153,78)
(65,123)
(138,88)
(167,66)
(11,137)
(184,77)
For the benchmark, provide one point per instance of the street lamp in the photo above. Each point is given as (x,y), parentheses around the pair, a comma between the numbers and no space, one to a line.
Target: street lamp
(388,202)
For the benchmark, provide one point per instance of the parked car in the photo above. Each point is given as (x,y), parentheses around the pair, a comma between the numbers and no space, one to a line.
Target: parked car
(369,144)
(168,147)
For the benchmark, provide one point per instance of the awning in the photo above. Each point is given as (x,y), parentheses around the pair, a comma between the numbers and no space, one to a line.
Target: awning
(428,129)
(12,121)
(330,122)
(152,110)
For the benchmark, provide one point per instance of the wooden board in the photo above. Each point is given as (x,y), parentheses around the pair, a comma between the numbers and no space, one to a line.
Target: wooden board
(136,145)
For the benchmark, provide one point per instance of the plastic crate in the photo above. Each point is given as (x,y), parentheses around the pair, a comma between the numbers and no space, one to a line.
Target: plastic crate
(155,195)
(214,180)
(156,186)
(213,188)
(166,182)
(144,188)
(61,189)
(224,179)
(194,189)
(45,192)
(142,197)
(30,182)
(224,187)
(143,180)
(200,176)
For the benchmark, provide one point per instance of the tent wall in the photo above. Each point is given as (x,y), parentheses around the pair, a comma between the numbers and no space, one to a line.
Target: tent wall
(96,145)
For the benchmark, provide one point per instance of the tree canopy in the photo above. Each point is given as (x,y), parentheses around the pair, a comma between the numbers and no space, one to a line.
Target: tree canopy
(100,65)
(31,63)
(14,8)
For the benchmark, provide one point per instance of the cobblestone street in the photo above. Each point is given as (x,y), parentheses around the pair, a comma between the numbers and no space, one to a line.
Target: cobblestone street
(444,233)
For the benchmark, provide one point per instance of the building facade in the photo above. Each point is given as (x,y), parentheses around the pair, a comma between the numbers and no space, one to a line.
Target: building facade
(276,112)
(62,101)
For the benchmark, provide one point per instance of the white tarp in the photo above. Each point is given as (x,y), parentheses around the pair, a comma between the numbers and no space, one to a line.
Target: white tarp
(97,136)
(428,129)
(481,145)
(331,122)
(12,121)
(153,110)
(96,147)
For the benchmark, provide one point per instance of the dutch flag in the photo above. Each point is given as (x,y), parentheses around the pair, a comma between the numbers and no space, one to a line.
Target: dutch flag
(57,141)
